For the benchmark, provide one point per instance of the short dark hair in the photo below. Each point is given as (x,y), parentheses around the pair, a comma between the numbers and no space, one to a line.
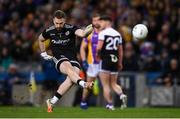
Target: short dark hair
(106,18)
(59,14)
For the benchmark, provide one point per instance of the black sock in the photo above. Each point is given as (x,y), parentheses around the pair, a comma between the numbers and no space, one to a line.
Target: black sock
(78,81)
(58,95)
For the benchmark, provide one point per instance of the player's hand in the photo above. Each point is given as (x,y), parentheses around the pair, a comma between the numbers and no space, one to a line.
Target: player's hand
(45,56)
(120,66)
(85,65)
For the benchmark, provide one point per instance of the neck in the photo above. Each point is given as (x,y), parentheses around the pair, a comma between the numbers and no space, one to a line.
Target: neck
(108,27)
(97,30)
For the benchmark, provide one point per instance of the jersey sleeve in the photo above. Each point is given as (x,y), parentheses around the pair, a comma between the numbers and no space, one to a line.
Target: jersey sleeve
(85,40)
(45,34)
(101,36)
(74,28)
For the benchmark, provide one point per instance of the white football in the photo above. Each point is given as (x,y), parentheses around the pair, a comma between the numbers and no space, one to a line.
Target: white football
(139,31)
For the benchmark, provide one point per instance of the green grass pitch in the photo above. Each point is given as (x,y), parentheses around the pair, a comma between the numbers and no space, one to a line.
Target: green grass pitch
(92,112)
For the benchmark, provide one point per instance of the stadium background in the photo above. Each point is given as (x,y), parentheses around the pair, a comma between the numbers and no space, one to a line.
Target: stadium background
(151,67)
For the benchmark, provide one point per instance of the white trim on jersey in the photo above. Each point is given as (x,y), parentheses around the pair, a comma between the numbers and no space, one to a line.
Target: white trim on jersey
(109,32)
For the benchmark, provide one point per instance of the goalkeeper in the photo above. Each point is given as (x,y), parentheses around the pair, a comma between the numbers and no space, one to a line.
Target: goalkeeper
(62,43)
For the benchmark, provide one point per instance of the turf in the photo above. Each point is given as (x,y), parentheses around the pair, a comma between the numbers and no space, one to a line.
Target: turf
(93,112)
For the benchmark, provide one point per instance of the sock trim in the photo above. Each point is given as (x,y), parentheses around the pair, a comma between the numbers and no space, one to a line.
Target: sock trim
(58,95)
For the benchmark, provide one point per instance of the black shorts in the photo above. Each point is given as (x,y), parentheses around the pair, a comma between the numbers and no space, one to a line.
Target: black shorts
(62,58)
(106,65)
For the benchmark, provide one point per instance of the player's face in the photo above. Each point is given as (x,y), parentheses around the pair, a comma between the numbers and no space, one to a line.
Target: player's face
(102,24)
(59,23)
(95,22)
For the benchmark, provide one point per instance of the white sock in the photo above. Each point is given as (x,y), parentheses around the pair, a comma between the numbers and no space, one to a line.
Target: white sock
(54,100)
(82,83)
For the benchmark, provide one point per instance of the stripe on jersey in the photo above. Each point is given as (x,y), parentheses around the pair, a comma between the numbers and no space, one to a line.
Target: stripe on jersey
(90,55)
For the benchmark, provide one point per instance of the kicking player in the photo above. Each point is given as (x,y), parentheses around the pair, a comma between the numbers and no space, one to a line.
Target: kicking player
(110,50)
(89,62)
(62,43)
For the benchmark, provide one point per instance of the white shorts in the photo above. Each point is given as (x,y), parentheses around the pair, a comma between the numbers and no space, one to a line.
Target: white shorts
(93,70)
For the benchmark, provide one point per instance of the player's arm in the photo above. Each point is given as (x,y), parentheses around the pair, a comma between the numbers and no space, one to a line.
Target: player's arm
(98,49)
(42,47)
(101,38)
(84,33)
(83,50)
(41,40)
(120,56)
(83,55)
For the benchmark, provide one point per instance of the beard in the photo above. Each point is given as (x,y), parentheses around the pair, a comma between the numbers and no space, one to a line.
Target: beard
(96,26)
(58,28)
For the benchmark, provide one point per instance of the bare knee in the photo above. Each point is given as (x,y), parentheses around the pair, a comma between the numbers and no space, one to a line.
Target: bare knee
(77,70)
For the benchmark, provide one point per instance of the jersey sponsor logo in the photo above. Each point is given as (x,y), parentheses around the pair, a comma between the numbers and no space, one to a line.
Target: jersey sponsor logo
(63,42)
(52,34)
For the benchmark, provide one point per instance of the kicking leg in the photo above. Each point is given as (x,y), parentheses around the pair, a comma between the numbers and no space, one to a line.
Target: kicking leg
(73,73)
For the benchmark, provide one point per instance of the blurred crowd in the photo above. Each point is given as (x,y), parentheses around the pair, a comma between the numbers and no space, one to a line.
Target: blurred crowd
(22,20)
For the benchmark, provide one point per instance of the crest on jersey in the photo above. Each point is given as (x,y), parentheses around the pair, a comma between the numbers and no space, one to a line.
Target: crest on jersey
(67,33)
